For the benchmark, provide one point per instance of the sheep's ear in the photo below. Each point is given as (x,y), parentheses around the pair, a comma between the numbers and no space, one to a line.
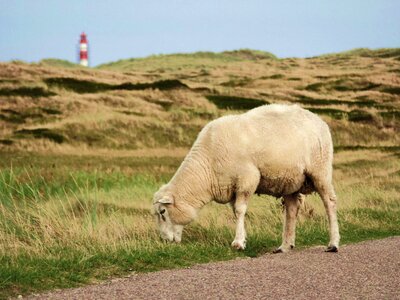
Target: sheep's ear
(166,200)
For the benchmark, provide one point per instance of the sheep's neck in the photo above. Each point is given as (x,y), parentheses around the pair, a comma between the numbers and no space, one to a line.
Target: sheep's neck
(192,180)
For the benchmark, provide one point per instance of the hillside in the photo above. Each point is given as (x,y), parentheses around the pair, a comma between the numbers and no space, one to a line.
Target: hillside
(163,101)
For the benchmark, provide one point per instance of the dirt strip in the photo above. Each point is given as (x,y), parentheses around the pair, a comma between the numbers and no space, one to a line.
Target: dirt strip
(368,270)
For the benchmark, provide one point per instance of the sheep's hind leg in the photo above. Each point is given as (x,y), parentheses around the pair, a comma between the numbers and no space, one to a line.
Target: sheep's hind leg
(327,193)
(240,208)
(292,204)
(329,200)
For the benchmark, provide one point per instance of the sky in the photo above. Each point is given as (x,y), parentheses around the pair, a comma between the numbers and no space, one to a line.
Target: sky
(32,30)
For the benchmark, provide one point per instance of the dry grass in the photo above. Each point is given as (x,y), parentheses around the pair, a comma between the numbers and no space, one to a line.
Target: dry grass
(94,104)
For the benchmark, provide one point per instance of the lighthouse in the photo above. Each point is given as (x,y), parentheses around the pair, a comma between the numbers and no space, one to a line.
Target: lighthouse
(83,50)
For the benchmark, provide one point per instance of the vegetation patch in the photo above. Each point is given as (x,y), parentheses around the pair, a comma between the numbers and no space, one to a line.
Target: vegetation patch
(362,147)
(33,92)
(41,133)
(248,54)
(235,103)
(6,142)
(161,85)
(331,112)
(131,113)
(395,90)
(51,111)
(395,114)
(366,52)
(54,62)
(19,117)
(77,85)
(237,82)
(165,104)
(359,115)
(343,85)
(201,113)
(85,86)
(275,76)
(313,101)
(11,116)
(80,207)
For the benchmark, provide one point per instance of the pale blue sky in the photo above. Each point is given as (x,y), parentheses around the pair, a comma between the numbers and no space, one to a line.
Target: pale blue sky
(36,29)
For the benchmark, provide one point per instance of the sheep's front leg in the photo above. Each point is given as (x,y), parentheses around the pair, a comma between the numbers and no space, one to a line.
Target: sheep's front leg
(240,208)
(292,205)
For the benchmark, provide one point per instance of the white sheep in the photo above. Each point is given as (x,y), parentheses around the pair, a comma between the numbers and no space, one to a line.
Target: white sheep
(279,150)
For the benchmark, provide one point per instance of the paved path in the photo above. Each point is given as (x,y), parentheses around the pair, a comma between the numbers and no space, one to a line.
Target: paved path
(368,270)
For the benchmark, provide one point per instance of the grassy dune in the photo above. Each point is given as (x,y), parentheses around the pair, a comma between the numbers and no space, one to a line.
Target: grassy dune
(163,101)
(83,150)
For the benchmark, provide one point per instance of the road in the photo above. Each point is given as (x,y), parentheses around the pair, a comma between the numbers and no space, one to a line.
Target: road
(368,270)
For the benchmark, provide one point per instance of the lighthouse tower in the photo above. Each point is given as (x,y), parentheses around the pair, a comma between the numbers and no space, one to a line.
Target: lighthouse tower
(83,50)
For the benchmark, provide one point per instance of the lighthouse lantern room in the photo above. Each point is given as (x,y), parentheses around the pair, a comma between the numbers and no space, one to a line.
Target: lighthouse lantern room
(83,50)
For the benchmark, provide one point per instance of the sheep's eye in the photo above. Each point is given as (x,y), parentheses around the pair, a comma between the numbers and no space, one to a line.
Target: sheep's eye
(162,211)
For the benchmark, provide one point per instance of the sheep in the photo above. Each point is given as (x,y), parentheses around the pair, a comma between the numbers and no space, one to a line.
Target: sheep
(279,150)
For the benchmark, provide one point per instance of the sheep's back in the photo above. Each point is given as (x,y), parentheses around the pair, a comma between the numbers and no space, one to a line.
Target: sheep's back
(281,141)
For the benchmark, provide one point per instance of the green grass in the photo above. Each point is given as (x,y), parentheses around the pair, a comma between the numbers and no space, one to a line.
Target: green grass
(342,85)
(39,114)
(237,82)
(275,76)
(321,102)
(391,90)
(71,220)
(331,112)
(195,60)
(85,86)
(33,92)
(61,63)
(41,133)
(366,52)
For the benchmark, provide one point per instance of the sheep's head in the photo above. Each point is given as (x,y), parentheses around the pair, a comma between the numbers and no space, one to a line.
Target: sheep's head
(169,231)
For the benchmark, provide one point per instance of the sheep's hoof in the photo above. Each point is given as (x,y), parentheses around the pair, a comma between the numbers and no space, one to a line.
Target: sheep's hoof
(283,250)
(331,249)
(238,245)
(278,250)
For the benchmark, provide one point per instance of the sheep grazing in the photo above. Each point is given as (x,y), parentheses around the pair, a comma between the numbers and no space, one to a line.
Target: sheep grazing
(279,150)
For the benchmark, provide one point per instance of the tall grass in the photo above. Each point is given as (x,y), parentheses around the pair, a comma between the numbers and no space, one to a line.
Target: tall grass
(62,229)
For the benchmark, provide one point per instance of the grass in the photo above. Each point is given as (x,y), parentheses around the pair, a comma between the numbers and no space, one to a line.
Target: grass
(235,103)
(331,112)
(61,63)
(328,102)
(344,85)
(41,133)
(193,60)
(366,52)
(33,92)
(70,220)
(33,114)
(76,85)
(86,86)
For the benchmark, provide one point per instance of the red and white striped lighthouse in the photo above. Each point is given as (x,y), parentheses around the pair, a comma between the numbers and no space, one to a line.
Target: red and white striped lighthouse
(83,50)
